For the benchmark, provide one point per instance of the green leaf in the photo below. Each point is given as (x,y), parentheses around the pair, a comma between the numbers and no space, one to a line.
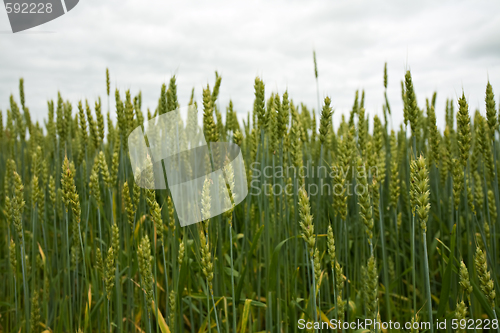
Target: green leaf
(244,317)
(228,272)
(445,288)
(255,241)
(482,299)
(275,265)
(182,280)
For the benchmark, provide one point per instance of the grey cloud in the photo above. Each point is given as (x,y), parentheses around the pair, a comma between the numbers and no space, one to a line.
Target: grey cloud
(144,43)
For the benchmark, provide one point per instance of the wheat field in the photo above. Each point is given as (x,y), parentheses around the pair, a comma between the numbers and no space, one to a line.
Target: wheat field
(343,222)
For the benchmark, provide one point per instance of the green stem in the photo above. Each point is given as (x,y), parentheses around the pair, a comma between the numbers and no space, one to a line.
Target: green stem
(25,287)
(496,318)
(232,276)
(167,310)
(313,279)
(346,248)
(414,291)
(68,267)
(334,292)
(215,311)
(427,281)
(384,258)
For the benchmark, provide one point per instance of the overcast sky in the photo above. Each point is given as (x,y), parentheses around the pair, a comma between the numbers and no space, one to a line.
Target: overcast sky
(448,45)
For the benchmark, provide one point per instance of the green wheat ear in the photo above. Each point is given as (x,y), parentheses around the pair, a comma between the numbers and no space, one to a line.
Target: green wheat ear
(306,220)
(411,102)
(483,274)
(434,136)
(491,112)
(206,202)
(331,244)
(209,127)
(420,190)
(414,328)
(362,132)
(172,309)
(295,147)
(464,279)
(458,182)
(128,205)
(385,75)
(340,196)
(483,141)
(283,116)
(110,272)
(238,137)
(378,147)
(315,65)
(100,121)
(394,177)
(464,130)
(155,211)
(115,239)
(259,108)
(35,313)
(145,259)
(95,191)
(115,161)
(13,257)
(215,92)
(17,203)
(107,81)
(392,268)
(172,103)
(326,115)
(92,125)
(272,122)
(207,266)
(461,313)
(492,206)
(162,102)
(365,207)
(479,241)
(67,183)
(171,211)
(10,167)
(180,257)
(99,263)
(83,125)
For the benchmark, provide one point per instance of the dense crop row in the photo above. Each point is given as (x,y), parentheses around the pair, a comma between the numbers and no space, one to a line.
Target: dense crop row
(343,221)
